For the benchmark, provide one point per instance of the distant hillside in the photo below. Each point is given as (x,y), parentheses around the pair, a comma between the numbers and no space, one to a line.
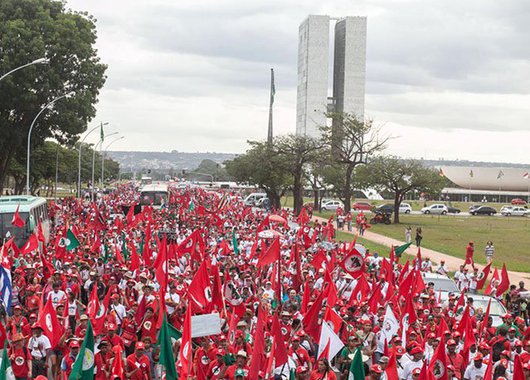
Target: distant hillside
(165,161)
(478,164)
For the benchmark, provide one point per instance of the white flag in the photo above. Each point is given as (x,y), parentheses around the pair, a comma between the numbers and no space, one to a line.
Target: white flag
(335,343)
(390,325)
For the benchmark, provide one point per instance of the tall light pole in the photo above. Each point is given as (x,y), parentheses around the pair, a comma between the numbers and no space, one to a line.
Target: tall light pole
(29,136)
(35,62)
(94,161)
(103,157)
(79,155)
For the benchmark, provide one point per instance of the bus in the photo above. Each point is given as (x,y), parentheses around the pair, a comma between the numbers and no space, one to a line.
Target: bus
(33,210)
(155,194)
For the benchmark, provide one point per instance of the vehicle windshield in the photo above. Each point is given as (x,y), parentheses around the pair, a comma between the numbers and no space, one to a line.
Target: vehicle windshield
(496,307)
(443,284)
(155,198)
(6,227)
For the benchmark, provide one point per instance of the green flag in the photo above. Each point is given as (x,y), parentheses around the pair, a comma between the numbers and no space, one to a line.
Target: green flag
(402,248)
(6,372)
(106,256)
(292,374)
(166,352)
(124,249)
(191,206)
(356,371)
(234,242)
(83,367)
(71,241)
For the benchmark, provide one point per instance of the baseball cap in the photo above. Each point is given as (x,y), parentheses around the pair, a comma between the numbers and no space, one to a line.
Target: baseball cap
(74,344)
(376,368)
(416,371)
(239,372)
(416,350)
(478,357)
(140,346)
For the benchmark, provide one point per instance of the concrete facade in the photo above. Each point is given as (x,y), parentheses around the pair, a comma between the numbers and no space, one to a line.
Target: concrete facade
(349,71)
(312,90)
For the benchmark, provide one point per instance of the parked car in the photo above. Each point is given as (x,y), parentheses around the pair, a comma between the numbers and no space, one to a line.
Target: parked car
(518,201)
(474,207)
(443,285)
(331,205)
(515,211)
(453,210)
(405,208)
(497,309)
(484,210)
(385,208)
(436,208)
(505,209)
(364,206)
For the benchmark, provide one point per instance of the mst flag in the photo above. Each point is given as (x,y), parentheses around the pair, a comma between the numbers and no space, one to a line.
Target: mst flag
(353,263)
(71,241)
(83,367)
(356,371)
(166,352)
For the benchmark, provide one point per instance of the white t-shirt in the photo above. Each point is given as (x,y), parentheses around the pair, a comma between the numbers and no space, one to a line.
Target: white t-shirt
(120,311)
(56,298)
(409,367)
(38,346)
(474,373)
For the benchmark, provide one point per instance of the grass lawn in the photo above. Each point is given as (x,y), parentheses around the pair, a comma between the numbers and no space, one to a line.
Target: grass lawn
(383,250)
(451,234)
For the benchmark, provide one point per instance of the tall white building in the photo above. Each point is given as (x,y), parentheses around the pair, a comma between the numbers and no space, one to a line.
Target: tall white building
(315,94)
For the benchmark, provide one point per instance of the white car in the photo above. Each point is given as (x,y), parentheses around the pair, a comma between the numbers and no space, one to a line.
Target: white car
(515,211)
(436,208)
(405,208)
(443,285)
(497,309)
(332,205)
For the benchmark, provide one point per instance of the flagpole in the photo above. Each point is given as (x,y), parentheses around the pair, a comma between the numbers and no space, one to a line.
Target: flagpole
(273,91)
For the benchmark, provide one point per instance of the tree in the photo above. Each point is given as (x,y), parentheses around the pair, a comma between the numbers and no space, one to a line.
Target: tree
(298,153)
(389,173)
(32,29)
(263,166)
(351,141)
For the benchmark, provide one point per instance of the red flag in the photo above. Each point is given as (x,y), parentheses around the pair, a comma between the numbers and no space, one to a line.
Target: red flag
(117,371)
(391,368)
(98,320)
(146,252)
(310,321)
(17,221)
(303,218)
(119,256)
(297,277)
(93,303)
(185,347)
(438,363)
(504,285)
(353,263)
(217,289)
(331,291)
(3,334)
(305,298)
(483,277)
(319,259)
(135,259)
(485,319)
(518,371)
(50,324)
(280,353)
(130,214)
(40,234)
(325,352)
(271,255)
(161,265)
(258,351)
(200,290)
(492,284)
(31,245)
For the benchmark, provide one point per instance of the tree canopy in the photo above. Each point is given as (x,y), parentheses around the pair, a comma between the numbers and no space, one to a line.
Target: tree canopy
(33,29)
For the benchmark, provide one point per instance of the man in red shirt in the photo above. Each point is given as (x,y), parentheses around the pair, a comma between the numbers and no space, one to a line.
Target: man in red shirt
(138,365)
(455,359)
(20,358)
(299,354)
(241,364)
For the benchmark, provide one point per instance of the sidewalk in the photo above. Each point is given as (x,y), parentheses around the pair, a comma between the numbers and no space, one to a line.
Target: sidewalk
(453,263)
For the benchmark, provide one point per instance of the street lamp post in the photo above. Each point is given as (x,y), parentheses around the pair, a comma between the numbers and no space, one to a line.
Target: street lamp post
(79,157)
(29,137)
(94,162)
(103,157)
(35,62)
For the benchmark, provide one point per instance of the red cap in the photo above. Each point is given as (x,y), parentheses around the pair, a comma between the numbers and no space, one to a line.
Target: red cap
(376,368)
(416,371)
(140,346)
(478,356)
(74,344)
(416,350)
(451,342)
(399,350)
(111,327)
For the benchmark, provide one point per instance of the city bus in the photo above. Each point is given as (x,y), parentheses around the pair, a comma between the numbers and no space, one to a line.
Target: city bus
(155,194)
(33,210)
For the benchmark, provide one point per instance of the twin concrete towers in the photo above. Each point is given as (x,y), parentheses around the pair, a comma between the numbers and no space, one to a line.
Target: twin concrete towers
(344,67)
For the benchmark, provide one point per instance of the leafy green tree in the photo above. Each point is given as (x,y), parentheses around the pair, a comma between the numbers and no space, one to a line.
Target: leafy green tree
(263,166)
(392,174)
(31,29)
(298,154)
(351,142)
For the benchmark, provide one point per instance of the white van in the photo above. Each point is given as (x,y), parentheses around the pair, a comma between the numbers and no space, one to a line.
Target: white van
(253,198)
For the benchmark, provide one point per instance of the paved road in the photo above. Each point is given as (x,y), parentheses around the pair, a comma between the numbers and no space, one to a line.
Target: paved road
(453,263)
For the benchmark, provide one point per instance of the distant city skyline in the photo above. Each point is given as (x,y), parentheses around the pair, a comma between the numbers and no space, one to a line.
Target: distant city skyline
(446,80)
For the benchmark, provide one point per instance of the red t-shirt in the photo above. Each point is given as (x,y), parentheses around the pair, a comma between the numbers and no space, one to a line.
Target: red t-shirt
(321,376)
(143,364)
(20,362)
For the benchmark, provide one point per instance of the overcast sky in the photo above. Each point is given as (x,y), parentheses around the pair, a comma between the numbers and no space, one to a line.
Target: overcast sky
(446,79)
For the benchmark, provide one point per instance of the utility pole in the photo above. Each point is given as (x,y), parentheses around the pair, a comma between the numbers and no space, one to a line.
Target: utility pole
(273,92)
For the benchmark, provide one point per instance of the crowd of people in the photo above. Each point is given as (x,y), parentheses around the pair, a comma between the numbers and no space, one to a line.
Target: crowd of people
(117,291)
